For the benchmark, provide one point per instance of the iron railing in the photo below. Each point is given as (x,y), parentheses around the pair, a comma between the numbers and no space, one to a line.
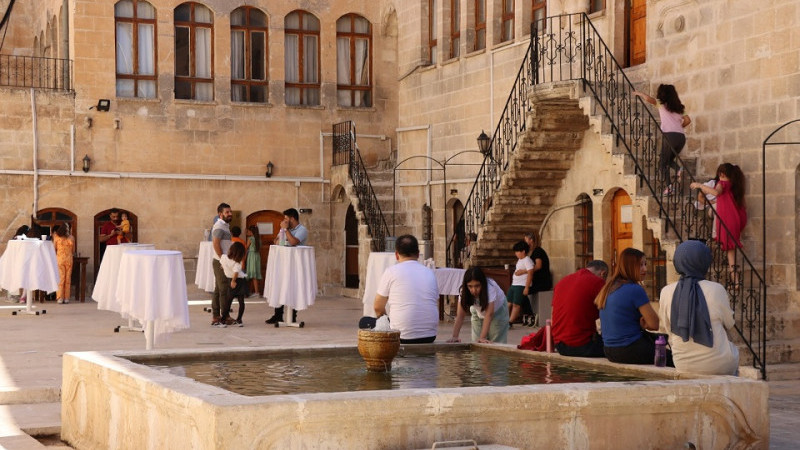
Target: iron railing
(345,151)
(569,48)
(36,72)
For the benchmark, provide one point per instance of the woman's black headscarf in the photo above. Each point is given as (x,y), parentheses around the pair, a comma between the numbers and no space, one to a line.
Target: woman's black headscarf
(689,312)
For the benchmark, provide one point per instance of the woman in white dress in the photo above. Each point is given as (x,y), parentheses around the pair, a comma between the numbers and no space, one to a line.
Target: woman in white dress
(696,313)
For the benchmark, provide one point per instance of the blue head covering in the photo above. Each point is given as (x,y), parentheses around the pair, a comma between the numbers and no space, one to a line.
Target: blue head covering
(689,312)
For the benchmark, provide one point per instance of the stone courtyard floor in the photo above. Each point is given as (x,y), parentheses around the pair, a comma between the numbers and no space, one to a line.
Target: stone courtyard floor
(32,346)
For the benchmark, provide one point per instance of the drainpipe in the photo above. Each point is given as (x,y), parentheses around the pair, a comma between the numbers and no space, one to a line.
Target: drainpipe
(72,148)
(35,154)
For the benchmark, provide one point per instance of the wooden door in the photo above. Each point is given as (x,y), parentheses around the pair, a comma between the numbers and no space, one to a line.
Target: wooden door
(637,31)
(351,278)
(268,223)
(621,224)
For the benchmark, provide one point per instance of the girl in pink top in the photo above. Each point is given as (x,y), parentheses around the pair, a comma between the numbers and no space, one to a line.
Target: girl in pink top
(673,121)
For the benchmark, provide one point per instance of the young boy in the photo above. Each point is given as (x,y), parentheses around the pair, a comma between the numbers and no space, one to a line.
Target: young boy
(521,282)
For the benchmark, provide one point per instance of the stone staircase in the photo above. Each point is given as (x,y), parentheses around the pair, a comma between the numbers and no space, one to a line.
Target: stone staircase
(382,178)
(560,115)
(554,132)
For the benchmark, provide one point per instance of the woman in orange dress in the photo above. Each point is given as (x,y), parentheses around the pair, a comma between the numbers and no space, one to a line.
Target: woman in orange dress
(64,243)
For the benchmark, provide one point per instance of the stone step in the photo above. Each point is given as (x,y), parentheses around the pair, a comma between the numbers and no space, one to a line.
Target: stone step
(778,372)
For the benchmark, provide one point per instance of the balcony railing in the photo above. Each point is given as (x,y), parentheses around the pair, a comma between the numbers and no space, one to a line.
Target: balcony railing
(36,72)
(345,151)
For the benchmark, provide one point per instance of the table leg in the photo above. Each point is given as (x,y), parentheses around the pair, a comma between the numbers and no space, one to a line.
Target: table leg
(82,287)
(149,334)
(287,319)
(29,305)
(131,326)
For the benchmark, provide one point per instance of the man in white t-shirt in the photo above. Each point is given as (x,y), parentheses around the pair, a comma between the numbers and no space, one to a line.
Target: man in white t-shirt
(408,293)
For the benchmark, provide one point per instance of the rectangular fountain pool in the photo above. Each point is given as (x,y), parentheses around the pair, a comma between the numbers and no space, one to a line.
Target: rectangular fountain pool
(421,367)
(115,400)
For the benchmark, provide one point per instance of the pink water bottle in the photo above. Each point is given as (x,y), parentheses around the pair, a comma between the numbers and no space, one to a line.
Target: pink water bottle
(548,336)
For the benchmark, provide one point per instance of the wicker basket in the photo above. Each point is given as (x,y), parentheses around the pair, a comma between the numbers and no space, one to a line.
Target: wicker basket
(378,348)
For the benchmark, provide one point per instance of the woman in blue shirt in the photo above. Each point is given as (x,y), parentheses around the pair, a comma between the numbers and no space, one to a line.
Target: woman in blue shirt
(625,311)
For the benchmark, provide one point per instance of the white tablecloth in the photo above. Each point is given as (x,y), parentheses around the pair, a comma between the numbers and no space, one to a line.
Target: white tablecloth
(105,286)
(204,276)
(152,288)
(449,280)
(291,277)
(29,264)
(377,263)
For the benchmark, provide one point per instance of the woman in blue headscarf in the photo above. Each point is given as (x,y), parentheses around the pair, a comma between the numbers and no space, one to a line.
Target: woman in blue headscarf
(696,312)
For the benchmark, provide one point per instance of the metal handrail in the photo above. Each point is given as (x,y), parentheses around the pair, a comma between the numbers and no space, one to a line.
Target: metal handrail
(345,151)
(36,72)
(564,52)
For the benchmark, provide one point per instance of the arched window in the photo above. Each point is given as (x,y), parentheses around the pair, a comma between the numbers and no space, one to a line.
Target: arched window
(478,17)
(135,24)
(194,54)
(538,14)
(51,218)
(507,28)
(354,61)
(433,30)
(455,28)
(249,37)
(302,58)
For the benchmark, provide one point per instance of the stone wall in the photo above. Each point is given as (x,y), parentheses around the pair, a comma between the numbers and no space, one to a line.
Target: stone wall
(171,161)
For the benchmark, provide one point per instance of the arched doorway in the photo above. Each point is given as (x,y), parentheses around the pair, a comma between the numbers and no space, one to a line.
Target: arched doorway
(621,224)
(51,218)
(351,278)
(268,223)
(100,219)
(455,226)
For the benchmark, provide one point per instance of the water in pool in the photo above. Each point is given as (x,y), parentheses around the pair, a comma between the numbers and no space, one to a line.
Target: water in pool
(293,374)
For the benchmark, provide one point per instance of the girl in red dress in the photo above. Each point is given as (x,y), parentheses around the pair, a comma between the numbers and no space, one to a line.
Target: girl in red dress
(730,209)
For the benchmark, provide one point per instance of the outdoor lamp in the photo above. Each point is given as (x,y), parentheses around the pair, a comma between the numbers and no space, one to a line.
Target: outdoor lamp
(103,104)
(86,161)
(270,166)
(483,143)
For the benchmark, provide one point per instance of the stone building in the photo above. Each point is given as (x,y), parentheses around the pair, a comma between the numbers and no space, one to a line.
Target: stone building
(204,94)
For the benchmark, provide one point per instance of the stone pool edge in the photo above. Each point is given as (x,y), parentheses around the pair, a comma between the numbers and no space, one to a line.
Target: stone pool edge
(111,402)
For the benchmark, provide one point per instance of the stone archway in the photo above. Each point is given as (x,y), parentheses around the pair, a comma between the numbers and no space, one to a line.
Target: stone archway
(351,275)
(268,223)
(101,219)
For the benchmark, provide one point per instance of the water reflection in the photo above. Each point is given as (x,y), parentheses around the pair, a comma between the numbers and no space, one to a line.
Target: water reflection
(346,373)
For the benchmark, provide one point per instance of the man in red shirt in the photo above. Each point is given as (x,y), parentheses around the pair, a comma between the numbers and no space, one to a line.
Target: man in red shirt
(110,234)
(574,313)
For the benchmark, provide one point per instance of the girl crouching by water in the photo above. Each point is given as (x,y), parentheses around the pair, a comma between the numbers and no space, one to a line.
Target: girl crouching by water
(486,302)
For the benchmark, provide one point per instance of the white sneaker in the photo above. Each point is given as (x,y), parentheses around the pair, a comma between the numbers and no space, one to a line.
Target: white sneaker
(66,300)
(699,206)
(59,301)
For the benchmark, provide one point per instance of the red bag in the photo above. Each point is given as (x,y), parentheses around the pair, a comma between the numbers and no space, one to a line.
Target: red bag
(534,341)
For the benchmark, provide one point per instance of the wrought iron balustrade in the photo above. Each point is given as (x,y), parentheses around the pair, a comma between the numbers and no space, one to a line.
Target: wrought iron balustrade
(345,151)
(36,72)
(569,48)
